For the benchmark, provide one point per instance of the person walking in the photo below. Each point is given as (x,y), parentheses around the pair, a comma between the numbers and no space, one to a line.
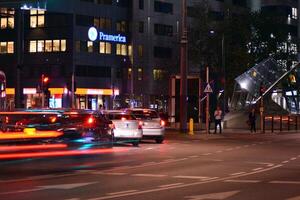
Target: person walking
(252,120)
(218,118)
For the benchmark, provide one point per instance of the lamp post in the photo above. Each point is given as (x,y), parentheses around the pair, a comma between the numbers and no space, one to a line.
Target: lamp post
(183,70)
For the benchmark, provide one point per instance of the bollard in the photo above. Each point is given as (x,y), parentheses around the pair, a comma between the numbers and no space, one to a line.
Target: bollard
(191,124)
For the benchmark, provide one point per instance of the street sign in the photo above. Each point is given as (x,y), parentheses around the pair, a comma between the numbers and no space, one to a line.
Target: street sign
(208,89)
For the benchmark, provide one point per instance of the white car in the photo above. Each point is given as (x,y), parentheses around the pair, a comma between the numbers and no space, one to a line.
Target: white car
(125,127)
(153,126)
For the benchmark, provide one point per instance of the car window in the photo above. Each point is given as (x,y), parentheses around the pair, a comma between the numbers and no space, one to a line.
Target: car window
(145,114)
(119,116)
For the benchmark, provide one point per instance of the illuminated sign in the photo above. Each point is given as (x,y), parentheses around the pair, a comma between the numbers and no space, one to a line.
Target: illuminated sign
(94,35)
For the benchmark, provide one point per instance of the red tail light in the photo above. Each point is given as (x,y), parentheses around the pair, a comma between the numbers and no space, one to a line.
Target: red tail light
(162,123)
(90,120)
(141,123)
(53,119)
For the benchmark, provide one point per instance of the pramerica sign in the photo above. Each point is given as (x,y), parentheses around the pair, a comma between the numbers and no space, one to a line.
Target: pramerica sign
(94,35)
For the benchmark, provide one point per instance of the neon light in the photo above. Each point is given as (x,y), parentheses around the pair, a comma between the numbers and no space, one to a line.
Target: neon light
(93,35)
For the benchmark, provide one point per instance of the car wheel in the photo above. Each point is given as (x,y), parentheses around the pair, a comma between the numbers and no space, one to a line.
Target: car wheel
(159,140)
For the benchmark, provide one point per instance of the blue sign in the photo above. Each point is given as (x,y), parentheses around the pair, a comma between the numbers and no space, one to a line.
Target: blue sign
(94,35)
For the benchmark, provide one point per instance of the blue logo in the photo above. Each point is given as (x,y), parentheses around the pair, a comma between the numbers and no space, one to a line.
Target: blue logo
(93,34)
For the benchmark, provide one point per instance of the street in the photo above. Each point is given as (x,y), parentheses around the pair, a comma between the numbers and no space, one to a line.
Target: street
(235,166)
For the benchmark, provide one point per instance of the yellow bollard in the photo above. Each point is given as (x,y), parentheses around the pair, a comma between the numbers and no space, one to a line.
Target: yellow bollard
(191,124)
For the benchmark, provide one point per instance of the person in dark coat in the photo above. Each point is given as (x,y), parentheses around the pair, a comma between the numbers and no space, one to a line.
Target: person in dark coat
(252,120)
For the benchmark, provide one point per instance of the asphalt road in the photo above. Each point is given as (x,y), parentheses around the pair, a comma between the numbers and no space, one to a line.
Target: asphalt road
(231,166)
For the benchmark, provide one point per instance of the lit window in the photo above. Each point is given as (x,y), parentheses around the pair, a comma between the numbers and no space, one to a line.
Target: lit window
(140,51)
(6,47)
(121,26)
(294,13)
(11,22)
(3,23)
(158,74)
(90,46)
(32,46)
(63,45)
(118,49)
(48,45)
(129,50)
(3,47)
(37,18)
(10,47)
(56,45)
(140,74)
(105,48)
(124,50)
(40,46)
(129,73)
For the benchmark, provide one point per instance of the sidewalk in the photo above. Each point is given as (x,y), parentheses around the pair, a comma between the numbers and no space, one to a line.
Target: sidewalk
(201,134)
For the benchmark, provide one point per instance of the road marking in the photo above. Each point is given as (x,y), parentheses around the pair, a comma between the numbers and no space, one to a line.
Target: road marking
(285,161)
(219,151)
(170,185)
(286,182)
(109,173)
(216,196)
(294,198)
(148,163)
(169,160)
(122,192)
(150,175)
(47,187)
(259,168)
(182,185)
(238,173)
(149,148)
(294,158)
(270,165)
(191,177)
(206,154)
(195,156)
(241,181)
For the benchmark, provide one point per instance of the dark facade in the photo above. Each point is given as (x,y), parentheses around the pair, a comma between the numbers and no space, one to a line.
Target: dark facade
(56,45)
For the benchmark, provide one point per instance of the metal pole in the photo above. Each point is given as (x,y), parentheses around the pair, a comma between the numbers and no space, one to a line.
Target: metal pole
(183,71)
(224,74)
(207,102)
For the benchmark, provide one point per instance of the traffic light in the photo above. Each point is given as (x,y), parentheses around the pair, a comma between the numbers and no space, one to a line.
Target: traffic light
(45,83)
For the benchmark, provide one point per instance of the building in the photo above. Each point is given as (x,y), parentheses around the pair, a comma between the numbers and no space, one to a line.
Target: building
(124,61)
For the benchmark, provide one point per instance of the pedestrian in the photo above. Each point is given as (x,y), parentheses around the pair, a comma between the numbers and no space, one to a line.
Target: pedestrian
(101,109)
(218,119)
(252,120)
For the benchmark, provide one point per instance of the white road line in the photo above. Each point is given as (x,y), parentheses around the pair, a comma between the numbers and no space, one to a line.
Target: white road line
(256,169)
(294,158)
(169,160)
(181,185)
(241,181)
(238,173)
(169,185)
(122,192)
(150,175)
(148,163)
(149,148)
(286,182)
(206,154)
(195,156)
(192,177)
(270,165)
(285,161)
(109,173)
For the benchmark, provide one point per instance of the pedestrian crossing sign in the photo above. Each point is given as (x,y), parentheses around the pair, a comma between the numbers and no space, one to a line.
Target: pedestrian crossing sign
(208,89)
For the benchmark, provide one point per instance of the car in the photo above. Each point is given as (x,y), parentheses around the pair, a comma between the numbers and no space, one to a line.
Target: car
(68,126)
(152,125)
(125,127)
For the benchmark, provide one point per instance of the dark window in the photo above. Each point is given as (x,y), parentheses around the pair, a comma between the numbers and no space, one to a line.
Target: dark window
(162,29)
(93,71)
(83,20)
(163,7)
(242,3)
(105,2)
(91,1)
(162,52)
(141,4)
(141,27)
(123,3)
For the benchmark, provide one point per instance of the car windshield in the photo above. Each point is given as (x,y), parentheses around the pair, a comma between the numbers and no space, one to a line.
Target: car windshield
(145,114)
(19,121)
(120,116)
